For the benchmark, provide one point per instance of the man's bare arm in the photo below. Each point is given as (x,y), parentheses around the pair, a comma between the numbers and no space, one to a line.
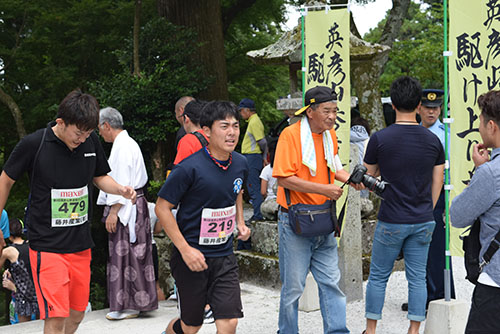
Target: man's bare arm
(437,183)
(193,258)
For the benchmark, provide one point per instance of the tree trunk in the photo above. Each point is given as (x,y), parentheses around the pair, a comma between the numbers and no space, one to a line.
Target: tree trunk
(137,27)
(365,76)
(16,112)
(158,166)
(366,72)
(393,26)
(206,19)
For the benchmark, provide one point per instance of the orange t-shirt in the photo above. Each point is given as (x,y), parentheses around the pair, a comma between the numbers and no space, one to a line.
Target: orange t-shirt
(288,162)
(188,145)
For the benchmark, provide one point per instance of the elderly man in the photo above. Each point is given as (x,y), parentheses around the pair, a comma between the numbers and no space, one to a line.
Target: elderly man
(306,164)
(131,280)
(479,200)
(64,161)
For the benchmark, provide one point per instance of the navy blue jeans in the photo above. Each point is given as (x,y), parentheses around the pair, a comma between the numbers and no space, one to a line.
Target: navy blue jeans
(253,183)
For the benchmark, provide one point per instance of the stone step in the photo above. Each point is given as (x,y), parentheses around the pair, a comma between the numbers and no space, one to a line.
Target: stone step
(258,268)
(265,239)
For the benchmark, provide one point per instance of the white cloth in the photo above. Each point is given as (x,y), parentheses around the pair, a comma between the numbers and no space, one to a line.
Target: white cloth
(267,174)
(153,219)
(128,169)
(308,151)
(485,279)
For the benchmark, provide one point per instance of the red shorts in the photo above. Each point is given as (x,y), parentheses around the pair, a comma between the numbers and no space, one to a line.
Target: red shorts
(62,282)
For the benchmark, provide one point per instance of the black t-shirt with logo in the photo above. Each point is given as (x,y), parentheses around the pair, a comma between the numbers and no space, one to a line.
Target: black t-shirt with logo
(60,179)
(197,184)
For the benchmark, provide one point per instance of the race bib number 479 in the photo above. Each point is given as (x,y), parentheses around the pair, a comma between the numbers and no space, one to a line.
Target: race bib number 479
(69,206)
(217,225)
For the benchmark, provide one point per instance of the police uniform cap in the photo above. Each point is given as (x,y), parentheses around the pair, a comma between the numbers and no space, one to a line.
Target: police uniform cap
(432,97)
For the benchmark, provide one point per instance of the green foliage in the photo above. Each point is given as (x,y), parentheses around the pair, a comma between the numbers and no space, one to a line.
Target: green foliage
(98,297)
(256,28)
(153,189)
(147,102)
(417,52)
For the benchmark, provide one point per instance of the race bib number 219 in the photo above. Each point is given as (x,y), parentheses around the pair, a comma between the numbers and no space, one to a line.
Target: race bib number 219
(217,225)
(69,206)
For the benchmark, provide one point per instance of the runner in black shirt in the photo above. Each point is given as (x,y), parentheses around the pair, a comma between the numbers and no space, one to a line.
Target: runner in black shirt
(63,162)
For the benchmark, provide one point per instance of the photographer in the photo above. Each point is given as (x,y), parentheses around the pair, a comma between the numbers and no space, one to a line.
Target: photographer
(411,159)
(481,199)
(307,164)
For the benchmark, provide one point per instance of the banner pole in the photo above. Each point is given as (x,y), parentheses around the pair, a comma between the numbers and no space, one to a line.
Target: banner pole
(446,114)
(302,23)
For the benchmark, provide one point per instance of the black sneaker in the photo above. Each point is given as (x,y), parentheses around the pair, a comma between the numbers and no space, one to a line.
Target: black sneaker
(208,317)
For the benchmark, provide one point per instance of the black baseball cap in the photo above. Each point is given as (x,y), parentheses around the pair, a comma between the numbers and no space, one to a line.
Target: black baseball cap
(316,95)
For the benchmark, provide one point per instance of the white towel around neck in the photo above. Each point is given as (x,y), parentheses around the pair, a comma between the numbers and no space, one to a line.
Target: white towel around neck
(308,151)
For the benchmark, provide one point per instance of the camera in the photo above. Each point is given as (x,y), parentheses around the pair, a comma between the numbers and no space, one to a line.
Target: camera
(359,175)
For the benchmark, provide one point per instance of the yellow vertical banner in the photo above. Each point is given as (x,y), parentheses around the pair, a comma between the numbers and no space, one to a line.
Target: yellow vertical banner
(474,68)
(327,64)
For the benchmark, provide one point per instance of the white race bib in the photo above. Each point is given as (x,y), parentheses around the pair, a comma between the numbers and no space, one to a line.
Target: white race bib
(217,225)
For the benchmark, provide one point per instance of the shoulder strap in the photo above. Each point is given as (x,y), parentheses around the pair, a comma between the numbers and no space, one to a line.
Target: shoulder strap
(32,177)
(201,138)
(36,155)
(287,192)
(493,246)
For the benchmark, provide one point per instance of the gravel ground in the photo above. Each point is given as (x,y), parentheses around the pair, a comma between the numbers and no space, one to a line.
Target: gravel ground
(261,313)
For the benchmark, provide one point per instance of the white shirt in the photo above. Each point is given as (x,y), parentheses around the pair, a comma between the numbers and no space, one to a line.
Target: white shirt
(267,174)
(128,169)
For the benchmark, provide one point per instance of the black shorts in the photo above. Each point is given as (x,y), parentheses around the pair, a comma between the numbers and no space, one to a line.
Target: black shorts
(483,316)
(218,286)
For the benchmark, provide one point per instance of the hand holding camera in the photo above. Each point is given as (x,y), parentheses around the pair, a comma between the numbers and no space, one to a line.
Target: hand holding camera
(373,184)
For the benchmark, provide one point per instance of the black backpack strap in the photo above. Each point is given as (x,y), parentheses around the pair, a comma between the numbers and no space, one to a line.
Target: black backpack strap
(201,138)
(492,248)
(37,154)
(32,178)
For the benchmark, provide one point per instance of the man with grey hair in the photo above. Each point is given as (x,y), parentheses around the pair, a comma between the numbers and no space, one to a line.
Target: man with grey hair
(131,278)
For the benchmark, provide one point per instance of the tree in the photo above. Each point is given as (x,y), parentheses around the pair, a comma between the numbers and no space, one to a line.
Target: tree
(205,17)
(365,74)
(254,28)
(418,45)
(147,101)
(137,27)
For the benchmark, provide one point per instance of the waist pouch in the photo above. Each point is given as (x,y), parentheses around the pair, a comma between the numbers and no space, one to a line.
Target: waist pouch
(314,220)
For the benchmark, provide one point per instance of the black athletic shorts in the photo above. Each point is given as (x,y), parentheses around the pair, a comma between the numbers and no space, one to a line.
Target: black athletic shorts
(483,316)
(218,286)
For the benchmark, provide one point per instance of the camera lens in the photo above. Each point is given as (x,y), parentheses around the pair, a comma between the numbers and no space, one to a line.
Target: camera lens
(373,184)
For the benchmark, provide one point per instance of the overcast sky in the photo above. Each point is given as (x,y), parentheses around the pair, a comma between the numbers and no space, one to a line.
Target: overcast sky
(366,16)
